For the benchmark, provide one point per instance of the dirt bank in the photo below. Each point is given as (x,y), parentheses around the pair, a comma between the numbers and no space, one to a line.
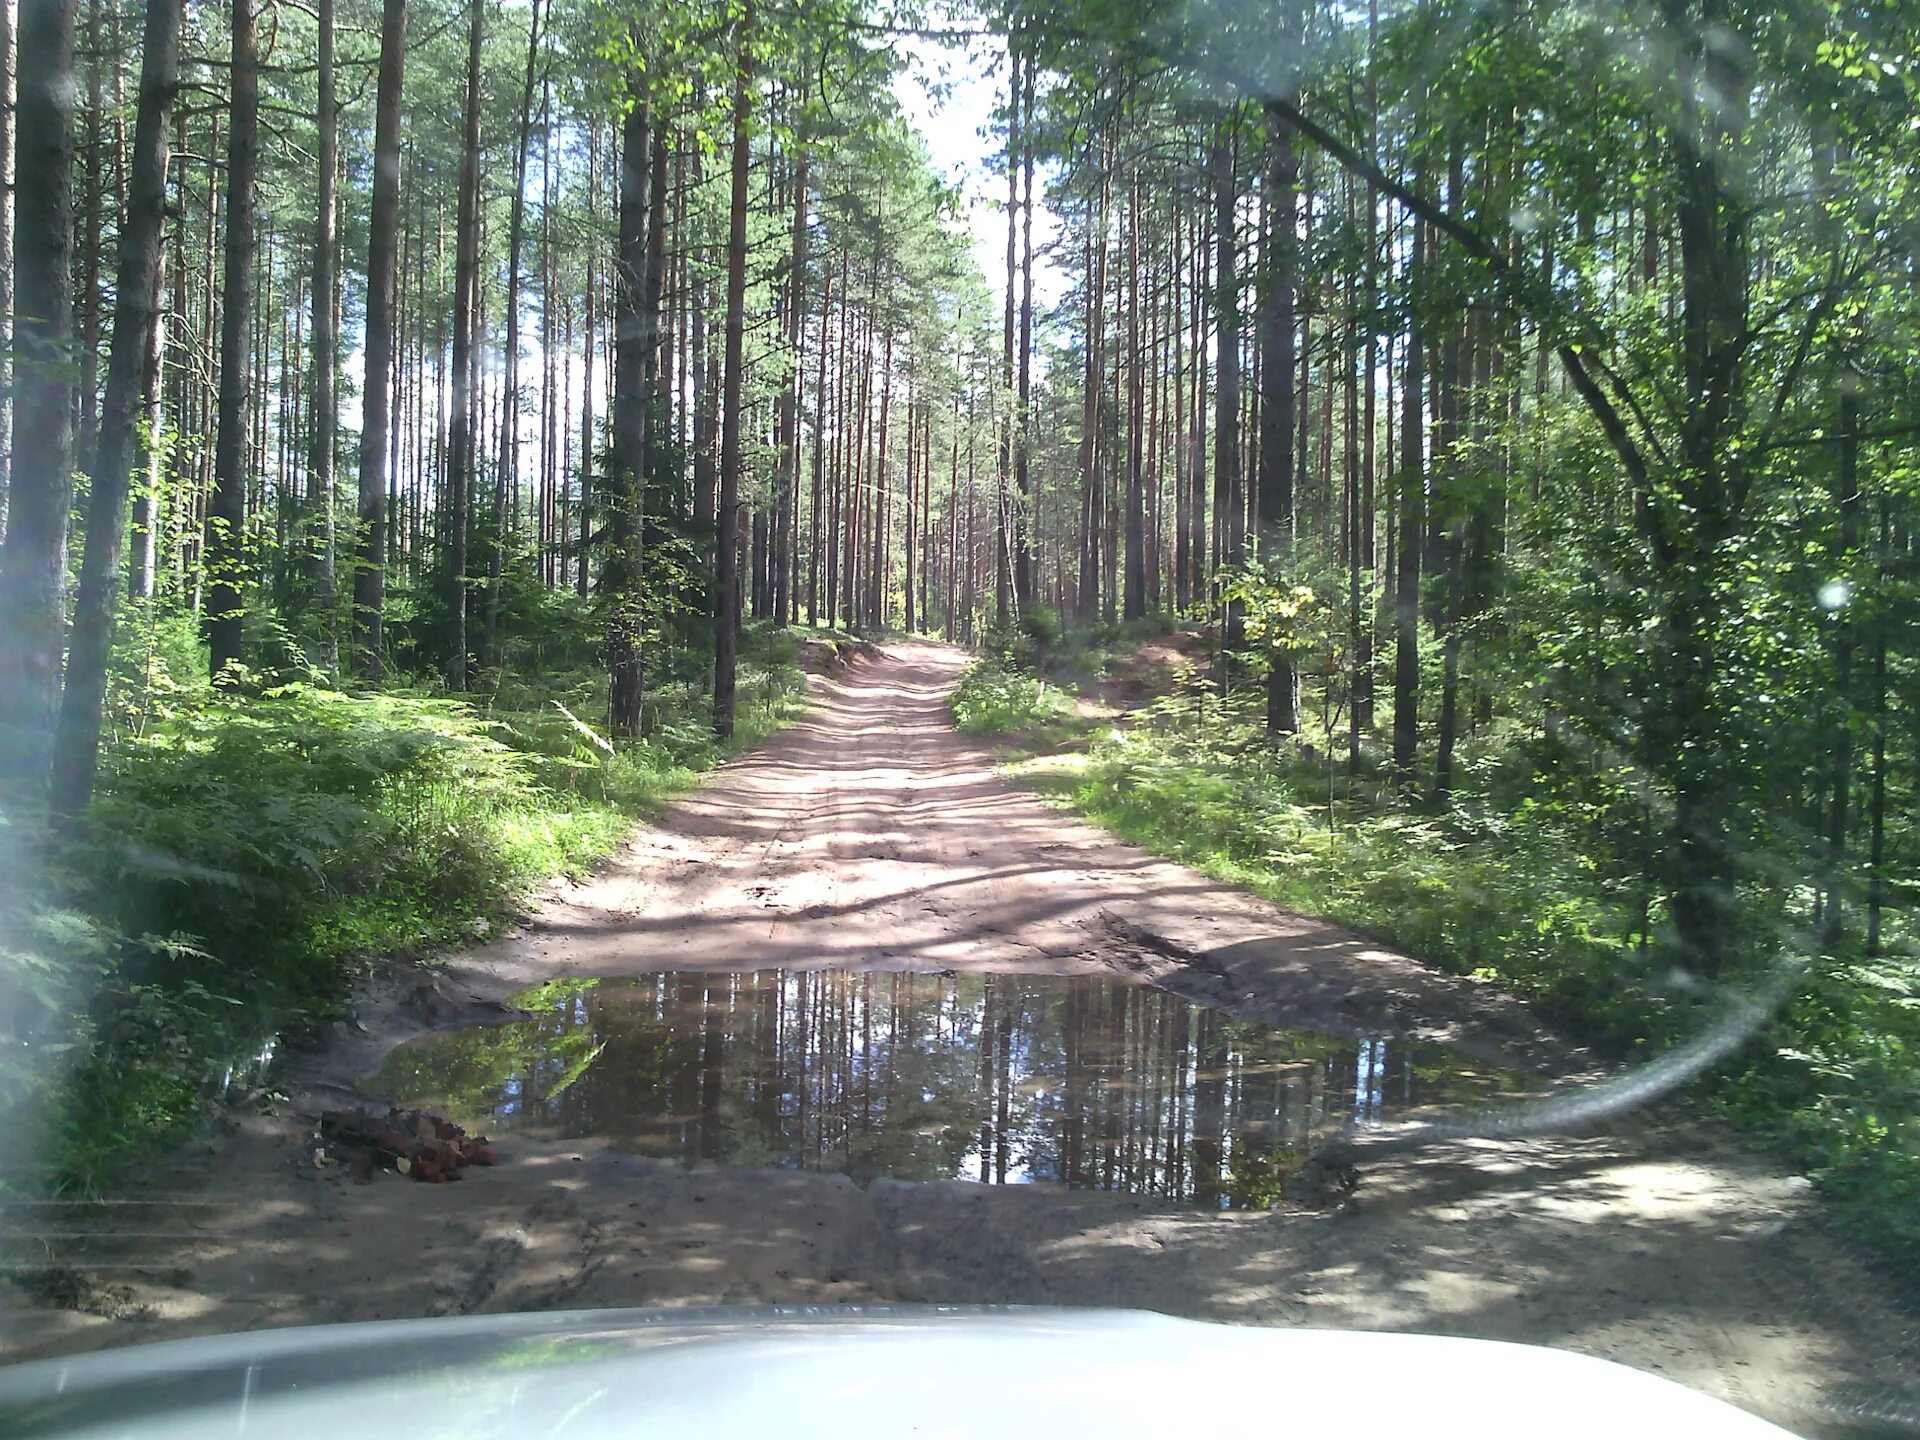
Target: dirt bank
(870,836)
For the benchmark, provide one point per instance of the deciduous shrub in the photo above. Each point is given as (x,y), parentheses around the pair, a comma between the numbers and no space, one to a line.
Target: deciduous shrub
(992,699)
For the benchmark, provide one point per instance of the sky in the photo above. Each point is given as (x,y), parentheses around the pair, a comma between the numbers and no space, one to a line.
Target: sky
(950,92)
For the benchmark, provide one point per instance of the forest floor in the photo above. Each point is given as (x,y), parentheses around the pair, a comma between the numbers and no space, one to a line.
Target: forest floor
(870,836)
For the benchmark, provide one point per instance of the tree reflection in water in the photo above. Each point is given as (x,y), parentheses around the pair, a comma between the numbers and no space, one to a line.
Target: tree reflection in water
(1084,1080)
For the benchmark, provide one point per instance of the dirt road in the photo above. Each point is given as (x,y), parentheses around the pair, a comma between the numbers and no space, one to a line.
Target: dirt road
(870,836)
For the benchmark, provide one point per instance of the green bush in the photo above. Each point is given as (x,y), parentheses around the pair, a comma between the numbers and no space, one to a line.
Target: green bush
(1532,879)
(991,699)
(246,857)
(1195,779)
(1027,641)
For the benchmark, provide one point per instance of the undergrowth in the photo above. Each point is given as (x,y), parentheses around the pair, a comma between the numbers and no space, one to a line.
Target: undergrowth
(1525,879)
(992,698)
(248,856)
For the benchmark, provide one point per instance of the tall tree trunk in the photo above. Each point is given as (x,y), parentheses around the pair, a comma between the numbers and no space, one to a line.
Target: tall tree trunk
(1692,524)
(552,428)
(1364,615)
(1877,783)
(1226,439)
(1177,413)
(788,474)
(136,310)
(815,535)
(1848,502)
(506,486)
(1412,519)
(1003,597)
(1278,323)
(369,580)
(33,559)
(621,584)
(588,345)
(1134,599)
(227,509)
(654,370)
(86,297)
(1023,519)
(881,491)
(913,451)
(1357,375)
(461,446)
(1093,497)
(322,419)
(726,638)
(147,511)
(1447,520)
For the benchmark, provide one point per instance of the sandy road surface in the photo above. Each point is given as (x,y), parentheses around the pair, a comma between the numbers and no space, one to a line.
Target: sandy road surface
(869,835)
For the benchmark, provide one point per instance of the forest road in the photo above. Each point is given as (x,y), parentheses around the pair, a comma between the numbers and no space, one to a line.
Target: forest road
(869,836)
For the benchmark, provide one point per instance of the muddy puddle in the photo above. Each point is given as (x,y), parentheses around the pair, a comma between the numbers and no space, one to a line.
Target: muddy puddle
(1082,1081)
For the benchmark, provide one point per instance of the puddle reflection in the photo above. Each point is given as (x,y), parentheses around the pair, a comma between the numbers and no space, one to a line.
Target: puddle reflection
(1083,1081)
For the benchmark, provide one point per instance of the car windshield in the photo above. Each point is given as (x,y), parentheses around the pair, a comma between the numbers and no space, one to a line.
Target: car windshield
(1256,659)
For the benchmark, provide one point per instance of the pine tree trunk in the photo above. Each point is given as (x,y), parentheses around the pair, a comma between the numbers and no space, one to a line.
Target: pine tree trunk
(1091,500)
(227,567)
(1278,322)
(1358,501)
(33,558)
(948,577)
(147,512)
(1447,523)
(818,498)
(1364,617)
(1412,520)
(725,635)
(143,239)
(620,584)
(1226,441)
(1134,602)
(552,428)
(1877,792)
(653,332)
(1023,520)
(1003,598)
(588,345)
(369,581)
(1681,742)
(788,475)
(461,447)
(881,491)
(322,419)
(86,296)
(506,485)
(1847,501)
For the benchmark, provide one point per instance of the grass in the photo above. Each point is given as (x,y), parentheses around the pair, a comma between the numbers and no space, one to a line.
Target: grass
(1192,778)
(248,858)
(1526,880)
(992,698)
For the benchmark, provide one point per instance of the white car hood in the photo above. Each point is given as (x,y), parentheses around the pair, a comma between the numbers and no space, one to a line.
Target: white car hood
(835,1372)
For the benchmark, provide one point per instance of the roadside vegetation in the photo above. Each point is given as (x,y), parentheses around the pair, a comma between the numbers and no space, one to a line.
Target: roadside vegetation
(992,699)
(1521,878)
(251,852)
